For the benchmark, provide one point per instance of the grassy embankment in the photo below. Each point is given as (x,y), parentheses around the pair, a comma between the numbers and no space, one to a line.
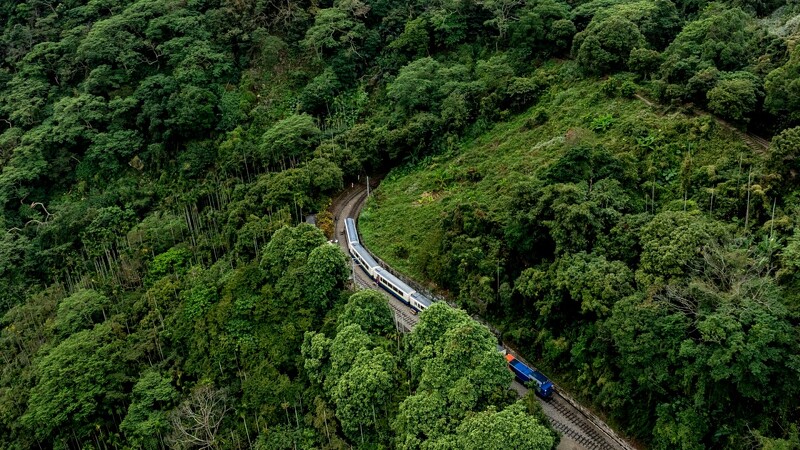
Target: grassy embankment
(401,221)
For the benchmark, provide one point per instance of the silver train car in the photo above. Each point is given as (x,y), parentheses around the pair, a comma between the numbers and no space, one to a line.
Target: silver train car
(391,283)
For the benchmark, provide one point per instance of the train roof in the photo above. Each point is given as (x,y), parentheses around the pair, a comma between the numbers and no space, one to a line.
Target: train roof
(393,279)
(424,301)
(368,259)
(528,371)
(540,377)
(352,234)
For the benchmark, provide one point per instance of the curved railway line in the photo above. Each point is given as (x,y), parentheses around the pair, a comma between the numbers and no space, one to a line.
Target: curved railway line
(579,428)
(349,205)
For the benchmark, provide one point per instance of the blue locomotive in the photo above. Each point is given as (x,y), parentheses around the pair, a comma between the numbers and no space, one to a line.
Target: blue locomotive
(530,377)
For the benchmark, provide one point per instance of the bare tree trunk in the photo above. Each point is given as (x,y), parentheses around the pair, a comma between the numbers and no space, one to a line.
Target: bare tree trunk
(196,421)
(747,210)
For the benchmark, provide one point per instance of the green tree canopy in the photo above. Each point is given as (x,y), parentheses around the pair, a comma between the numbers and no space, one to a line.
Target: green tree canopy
(147,422)
(671,242)
(80,380)
(606,45)
(722,37)
(326,272)
(782,87)
(416,84)
(735,96)
(512,427)
(291,139)
(80,311)
(361,393)
(370,310)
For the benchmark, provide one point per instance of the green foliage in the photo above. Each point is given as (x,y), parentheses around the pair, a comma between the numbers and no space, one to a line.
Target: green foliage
(363,389)
(152,152)
(315,349)
(723,38)
(337,28)
(290,139)
(644,61)
(594,281)
(81,380)
(421,416)
(671,242)
(544,28)
(457,368)
(318,95)
(503,13)
(783,89)
(735,97)
(369,310)
(174,261)
(612,266)
(80,311)
(606,45)
(146,421)
(326,273)
(783,154)
(415,84)
(490,430)
(602,123)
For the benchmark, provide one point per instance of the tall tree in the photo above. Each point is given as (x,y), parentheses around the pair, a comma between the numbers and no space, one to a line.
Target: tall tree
(81,382)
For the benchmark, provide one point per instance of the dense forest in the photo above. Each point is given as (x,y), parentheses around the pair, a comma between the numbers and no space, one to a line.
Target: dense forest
(157,157)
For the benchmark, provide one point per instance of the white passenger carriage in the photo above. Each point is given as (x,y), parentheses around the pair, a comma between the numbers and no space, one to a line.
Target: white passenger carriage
(391,283)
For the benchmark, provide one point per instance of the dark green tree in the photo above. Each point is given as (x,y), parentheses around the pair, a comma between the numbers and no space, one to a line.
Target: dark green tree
(80,382)
(147,422)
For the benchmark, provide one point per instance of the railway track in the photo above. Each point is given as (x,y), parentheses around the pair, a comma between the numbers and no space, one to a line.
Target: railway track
(757,143)
(577,426)
(579,431)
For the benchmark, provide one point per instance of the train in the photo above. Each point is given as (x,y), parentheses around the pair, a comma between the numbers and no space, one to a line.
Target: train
(530,377)
(395,286)
(418,302)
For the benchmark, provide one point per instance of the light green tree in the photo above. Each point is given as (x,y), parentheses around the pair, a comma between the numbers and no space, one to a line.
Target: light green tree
(370,310)
(289,140)
(606,45)
(416,84)
(512,427)
(326,270)
(80,311)
(594,281)
(361,394)
(339,27)
(735,96)
(782,87)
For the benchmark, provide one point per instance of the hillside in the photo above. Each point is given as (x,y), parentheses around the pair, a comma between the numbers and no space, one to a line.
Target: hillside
(631,250)
(158,160)
(482,174)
